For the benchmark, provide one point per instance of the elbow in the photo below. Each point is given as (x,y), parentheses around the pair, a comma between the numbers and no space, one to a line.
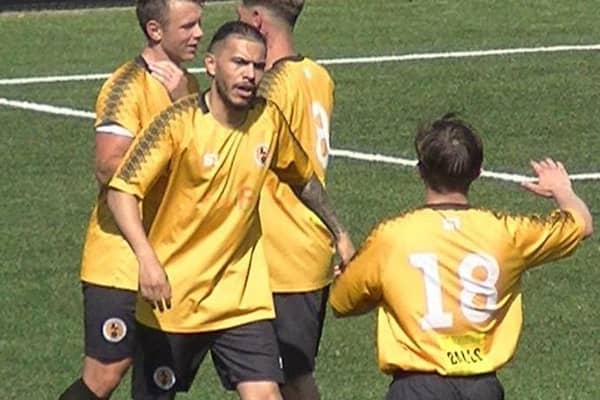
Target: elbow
(588,230)
(105,169)
(103,177)
(336,313)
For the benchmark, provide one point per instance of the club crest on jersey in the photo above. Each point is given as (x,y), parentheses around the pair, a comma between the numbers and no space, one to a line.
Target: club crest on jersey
(261,155)
(209,160)
(114,330)
(164,377)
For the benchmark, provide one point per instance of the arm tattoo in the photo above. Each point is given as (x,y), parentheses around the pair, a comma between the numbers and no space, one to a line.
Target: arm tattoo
(314,196)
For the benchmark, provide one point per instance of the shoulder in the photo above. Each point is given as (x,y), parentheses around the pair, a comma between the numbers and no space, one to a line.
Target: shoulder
(176,112)
(123,77)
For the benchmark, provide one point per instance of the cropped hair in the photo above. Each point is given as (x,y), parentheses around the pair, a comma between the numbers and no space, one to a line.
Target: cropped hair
(287,10)
(450,154)
(158,10)
(236,28)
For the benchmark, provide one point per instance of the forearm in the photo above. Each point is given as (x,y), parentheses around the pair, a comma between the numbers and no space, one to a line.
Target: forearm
(568,199)
(124,207)
(314,197)
(349,298)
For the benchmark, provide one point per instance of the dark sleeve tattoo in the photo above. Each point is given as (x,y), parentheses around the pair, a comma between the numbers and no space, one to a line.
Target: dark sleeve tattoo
(314,196)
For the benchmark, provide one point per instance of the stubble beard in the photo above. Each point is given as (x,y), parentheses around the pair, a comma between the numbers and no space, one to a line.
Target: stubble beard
(222,91)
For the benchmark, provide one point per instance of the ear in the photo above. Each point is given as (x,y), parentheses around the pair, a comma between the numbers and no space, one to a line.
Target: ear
(210,63)
(257,19)
(154,30)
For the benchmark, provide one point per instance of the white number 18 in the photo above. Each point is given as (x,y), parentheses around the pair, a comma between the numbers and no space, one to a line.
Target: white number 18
(436,317)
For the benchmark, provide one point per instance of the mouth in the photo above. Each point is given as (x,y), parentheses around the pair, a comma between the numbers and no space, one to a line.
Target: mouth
(193,47)
(244,91)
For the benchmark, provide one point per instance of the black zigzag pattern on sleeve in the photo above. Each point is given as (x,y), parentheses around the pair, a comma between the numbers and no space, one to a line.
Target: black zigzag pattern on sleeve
(150,138)
(116,93)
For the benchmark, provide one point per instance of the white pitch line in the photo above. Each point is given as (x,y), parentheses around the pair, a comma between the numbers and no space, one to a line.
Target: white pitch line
(341,61)
(45,108)
(355,155)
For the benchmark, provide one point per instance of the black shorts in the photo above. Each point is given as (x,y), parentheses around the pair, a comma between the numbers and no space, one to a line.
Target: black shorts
(167,363)
(109,319)
(430,386)
(298,326)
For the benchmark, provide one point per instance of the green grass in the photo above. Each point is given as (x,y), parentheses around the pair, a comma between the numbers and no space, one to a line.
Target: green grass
(526,106)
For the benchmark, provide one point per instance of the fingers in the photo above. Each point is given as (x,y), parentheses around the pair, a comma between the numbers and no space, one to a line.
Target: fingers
(157,295)
(552,177)
(166,72)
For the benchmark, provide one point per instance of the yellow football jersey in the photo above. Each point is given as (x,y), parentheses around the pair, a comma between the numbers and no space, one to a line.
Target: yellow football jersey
(298,246)
(126,103)
(446,282)
(206,228)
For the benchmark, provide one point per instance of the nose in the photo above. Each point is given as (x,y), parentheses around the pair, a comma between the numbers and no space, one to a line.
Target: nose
(250,72)
(198,32)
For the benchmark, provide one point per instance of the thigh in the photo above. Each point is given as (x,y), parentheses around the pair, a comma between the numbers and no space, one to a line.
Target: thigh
(109,323)
(482,387)
(298,326)
(247,353)
(166,363)
(422,386)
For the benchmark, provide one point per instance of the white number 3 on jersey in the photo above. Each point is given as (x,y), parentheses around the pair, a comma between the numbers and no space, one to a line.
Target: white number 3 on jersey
(321,120)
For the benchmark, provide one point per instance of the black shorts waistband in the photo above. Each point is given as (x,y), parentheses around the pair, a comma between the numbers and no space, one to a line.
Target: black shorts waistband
(406,374)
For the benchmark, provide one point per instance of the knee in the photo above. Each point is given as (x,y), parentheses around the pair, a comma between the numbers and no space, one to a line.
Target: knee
(102,378)
(302,387)
(259,391)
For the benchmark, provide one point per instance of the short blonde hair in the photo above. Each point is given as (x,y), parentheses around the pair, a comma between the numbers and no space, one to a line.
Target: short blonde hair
(287,10)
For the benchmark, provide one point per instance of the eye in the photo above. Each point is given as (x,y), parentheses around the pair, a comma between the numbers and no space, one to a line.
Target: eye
(239,61)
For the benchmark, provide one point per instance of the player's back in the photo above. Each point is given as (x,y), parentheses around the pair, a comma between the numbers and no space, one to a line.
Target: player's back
(297,244)
(303,90)
(450,281)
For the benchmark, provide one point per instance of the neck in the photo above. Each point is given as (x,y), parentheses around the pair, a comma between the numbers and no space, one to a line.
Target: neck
(155,52)
(222,112)
(433,197)
(280,44)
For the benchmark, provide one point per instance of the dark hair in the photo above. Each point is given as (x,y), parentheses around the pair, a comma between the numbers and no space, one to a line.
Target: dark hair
(449,153)
(236,28)
(287,10)
(158,10)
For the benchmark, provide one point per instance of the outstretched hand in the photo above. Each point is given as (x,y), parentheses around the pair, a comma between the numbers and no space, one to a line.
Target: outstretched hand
(552,178)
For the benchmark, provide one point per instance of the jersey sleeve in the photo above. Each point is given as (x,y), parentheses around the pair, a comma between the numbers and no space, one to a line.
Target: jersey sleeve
(359,288)
(148,155)
(545,239)
(117,105)
(290,162)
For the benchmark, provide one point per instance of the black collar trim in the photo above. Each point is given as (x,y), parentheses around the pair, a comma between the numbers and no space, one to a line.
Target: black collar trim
(139,60)
(447,206)
(295,57)
(202,102)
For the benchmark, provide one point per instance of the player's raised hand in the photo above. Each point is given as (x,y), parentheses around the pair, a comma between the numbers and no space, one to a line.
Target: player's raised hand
(171,76)
(154,285)
(553,179)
